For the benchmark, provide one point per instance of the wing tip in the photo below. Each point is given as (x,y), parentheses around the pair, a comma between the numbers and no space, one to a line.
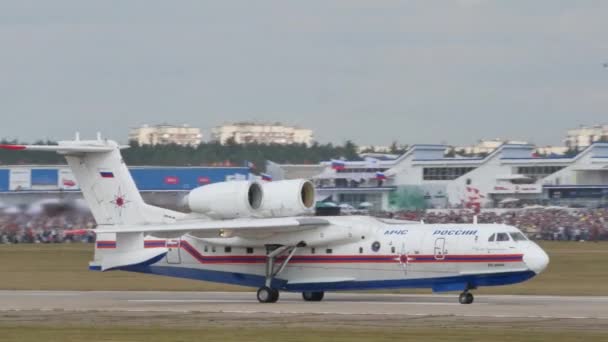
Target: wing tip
(12,147)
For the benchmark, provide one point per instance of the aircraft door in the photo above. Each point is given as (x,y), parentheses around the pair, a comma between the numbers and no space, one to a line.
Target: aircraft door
(404,260)
(440,249)
(173,253)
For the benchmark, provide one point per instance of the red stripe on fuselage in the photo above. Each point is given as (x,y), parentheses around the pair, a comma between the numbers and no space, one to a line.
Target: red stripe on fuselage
(356,258)
(323,258)
(155,243)
(105,244)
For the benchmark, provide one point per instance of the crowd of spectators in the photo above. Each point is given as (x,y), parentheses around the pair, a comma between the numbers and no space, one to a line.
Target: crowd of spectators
(23,226)
(538,223)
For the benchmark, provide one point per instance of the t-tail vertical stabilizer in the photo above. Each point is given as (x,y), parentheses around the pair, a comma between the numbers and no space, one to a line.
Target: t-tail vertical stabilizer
(114,200)
(106,182)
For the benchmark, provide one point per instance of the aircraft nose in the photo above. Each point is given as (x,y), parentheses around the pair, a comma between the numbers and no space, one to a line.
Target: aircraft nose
(536,259)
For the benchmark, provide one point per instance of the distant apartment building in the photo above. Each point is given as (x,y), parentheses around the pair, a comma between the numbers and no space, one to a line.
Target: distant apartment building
(486,146)
(373,149)
(580,138)
(166,134)
(246,132)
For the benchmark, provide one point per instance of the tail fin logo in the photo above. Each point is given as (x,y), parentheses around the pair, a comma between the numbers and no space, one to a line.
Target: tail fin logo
(120,201)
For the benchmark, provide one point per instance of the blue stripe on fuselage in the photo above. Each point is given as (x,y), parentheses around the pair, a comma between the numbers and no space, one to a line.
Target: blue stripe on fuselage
(451,283)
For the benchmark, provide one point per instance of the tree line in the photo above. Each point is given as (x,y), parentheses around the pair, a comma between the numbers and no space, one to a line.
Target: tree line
(205,154)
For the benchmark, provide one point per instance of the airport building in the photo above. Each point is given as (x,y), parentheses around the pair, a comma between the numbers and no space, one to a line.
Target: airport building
(166,134)
(24,178)
(485,146)
(247,132)
(423,177)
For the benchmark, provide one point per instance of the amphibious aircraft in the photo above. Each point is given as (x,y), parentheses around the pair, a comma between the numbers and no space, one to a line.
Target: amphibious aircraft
(262,234)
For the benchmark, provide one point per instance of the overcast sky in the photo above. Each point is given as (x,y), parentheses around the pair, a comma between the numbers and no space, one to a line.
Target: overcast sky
(368,70)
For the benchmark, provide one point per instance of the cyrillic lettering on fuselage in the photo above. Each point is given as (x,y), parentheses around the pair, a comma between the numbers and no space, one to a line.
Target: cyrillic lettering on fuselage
(459,232)
(396,232)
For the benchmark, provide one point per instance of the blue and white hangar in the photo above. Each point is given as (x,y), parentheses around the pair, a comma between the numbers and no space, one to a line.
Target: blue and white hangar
(423,178)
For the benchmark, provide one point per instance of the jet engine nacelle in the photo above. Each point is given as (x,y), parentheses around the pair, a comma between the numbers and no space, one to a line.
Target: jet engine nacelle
(287,198)
(226,200)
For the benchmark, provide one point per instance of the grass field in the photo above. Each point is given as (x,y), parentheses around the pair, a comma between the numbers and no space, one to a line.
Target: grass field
(575,269)
(152,334)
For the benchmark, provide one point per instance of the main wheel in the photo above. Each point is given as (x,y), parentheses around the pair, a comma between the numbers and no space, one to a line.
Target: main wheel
(313,296)
(466,298)
(268,295)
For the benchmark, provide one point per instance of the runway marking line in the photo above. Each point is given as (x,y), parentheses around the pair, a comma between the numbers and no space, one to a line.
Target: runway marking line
(257,312)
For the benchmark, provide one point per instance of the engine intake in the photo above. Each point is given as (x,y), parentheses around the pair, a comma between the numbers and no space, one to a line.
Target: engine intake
(226,200)
(287,198)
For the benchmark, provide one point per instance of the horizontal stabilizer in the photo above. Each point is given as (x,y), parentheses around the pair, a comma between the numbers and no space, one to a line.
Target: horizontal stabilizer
(105,181)
(80,148)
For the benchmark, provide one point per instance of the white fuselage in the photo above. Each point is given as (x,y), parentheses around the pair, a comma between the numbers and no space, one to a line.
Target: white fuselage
(359,252)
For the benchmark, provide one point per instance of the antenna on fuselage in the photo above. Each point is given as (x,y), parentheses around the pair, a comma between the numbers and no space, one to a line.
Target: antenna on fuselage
(474,219)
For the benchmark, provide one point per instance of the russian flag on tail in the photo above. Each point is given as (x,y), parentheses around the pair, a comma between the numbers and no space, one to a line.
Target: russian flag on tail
(380,176)
(106,174)
(338,165)
(266,177)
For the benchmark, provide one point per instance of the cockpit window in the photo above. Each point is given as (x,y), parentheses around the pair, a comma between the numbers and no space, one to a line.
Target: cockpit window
(502,237)
(491,239)
(517,236)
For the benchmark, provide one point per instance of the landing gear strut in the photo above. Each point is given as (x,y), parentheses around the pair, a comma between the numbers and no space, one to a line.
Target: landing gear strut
(313,296)
(466,297)
(267,294)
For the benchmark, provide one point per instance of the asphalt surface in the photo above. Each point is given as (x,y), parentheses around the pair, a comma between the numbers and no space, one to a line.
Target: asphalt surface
(334,304)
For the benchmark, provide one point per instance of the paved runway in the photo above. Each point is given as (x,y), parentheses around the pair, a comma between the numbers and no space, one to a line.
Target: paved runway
(243,303)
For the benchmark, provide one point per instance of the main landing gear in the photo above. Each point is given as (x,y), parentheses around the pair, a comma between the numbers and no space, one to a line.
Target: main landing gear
(266,293)
(466,297)
(313,296)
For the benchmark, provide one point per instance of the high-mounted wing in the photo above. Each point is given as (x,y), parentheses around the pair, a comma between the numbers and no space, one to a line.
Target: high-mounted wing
(221,227)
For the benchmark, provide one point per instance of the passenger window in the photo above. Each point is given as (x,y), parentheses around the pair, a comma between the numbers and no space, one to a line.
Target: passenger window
(213,249)
(491,239)
(329,251)
(360,250)
(312,250)
(393,249)
(502,237)
(206,249)
(249,250)
(227,249)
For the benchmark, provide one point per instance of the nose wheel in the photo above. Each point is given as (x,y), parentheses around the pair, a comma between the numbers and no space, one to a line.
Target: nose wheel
(313,296)
(465,298)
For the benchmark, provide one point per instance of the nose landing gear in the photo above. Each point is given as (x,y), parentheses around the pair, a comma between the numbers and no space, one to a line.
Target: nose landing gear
(313,296)
(465,298)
